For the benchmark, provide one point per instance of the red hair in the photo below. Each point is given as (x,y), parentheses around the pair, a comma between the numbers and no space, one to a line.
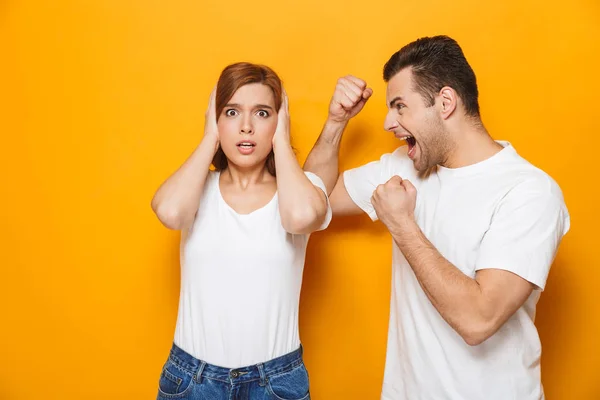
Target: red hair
(234,77)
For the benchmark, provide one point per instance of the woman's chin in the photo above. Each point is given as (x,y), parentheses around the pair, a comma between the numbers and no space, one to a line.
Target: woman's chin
(250,161)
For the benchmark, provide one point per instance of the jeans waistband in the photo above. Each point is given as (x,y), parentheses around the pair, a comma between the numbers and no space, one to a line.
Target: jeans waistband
(201,369)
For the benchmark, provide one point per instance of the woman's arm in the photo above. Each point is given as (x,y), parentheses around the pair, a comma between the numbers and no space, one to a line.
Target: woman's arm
(302,205)
(176,200)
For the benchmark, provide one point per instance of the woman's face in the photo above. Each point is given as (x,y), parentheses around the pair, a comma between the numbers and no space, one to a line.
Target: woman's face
(247,125)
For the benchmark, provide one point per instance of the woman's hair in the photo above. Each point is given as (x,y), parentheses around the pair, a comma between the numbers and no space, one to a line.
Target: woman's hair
(234,77)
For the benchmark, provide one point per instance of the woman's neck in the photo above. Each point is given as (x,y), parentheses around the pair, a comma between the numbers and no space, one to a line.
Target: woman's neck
(244,177)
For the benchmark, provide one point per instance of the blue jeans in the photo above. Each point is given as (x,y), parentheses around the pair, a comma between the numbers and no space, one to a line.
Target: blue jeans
(185,377)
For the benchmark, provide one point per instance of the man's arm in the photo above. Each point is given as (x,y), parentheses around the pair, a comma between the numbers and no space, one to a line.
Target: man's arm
(349,98)
(323,158)
(341,202)
(477,307)
(474,308)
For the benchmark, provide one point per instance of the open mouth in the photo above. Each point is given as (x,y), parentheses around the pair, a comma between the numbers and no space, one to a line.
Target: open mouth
(246,145)
(411,142)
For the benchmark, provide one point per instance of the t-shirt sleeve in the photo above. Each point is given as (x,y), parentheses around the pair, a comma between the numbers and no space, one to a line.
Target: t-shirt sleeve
(361,182)
(318,182)
(525,233)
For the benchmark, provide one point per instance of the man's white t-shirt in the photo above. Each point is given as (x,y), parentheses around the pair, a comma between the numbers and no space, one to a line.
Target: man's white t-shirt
(241,276)
(501,213)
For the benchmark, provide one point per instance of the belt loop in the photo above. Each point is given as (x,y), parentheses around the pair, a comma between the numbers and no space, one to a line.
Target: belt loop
(198,377)
(263,378)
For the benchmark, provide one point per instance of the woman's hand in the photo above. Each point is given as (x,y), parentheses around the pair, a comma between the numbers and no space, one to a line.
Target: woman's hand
(211,131)
(282,133)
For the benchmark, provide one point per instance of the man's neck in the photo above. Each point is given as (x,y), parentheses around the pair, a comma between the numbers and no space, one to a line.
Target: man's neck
(472,145)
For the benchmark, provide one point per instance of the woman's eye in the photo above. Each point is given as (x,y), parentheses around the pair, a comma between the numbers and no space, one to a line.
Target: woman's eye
(230,113)
(399,106)
(263,113)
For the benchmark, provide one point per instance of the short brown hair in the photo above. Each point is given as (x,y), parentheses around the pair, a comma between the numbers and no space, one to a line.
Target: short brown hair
(436,62)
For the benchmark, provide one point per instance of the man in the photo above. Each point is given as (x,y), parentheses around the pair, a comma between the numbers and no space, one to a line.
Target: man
(475,229)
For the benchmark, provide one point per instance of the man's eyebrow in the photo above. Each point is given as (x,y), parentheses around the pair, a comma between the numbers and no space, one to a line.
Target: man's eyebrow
(395,99)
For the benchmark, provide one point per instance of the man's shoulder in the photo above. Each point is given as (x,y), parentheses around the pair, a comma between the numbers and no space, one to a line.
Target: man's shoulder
(522,175)
(399,163)
(400,156)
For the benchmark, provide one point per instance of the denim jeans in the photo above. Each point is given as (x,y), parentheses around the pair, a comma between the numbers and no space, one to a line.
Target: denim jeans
(185,377)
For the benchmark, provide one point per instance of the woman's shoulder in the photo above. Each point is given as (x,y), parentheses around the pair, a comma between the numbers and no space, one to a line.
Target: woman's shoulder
(212,178)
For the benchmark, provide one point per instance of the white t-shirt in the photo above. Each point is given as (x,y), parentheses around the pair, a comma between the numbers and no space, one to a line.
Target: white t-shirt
(241,276)
(501,213)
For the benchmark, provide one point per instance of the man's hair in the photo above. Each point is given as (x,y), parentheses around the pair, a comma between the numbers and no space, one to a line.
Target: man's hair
(436,62)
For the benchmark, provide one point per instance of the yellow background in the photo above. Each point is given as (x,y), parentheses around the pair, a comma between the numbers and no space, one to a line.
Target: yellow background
(101,100)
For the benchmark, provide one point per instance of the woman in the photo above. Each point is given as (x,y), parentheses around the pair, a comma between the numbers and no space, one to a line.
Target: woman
(245,227)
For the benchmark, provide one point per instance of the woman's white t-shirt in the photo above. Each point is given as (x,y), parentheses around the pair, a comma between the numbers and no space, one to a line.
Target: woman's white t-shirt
(241,276)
